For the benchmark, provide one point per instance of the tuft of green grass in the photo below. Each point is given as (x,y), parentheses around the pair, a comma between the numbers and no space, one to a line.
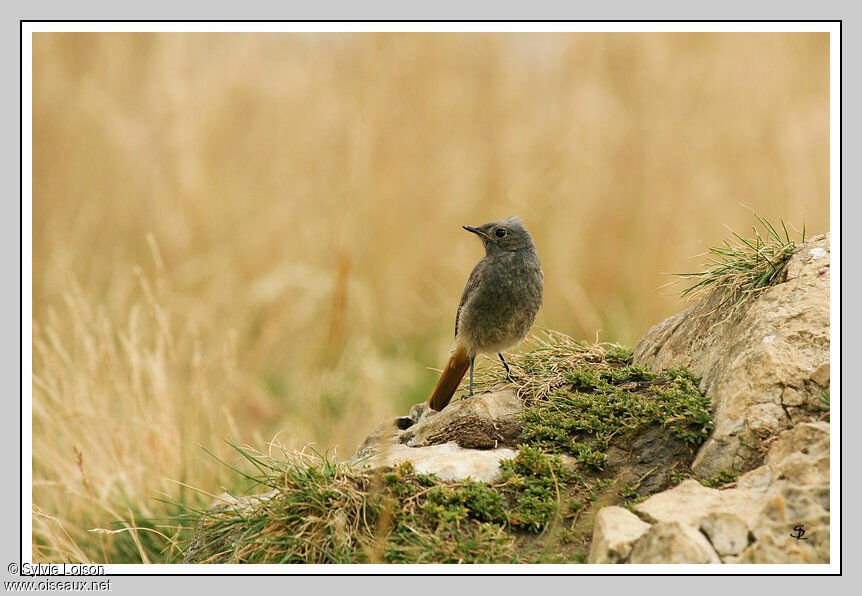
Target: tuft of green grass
(628,492)
(317,510)
(720,478)
(741,268)
(677,476)
(618,352)
(824,406)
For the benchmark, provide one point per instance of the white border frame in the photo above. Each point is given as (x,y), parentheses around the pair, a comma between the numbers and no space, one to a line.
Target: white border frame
(831,27)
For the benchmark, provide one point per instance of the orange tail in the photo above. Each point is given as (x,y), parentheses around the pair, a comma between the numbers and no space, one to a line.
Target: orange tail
(455,370)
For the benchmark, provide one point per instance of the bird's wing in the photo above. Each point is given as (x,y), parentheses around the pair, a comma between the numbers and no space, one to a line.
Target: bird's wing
(471,286)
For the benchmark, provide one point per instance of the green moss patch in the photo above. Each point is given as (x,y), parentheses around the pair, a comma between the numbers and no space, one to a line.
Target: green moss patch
(721,478)
(582,419)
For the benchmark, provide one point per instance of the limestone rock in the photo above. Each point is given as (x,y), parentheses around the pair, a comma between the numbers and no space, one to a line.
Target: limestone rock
(806,441)
(727,533)
(783,548)
(757,521)
(749,357)
(757,478)
(673,542)
(791,397)
(484,421)
(466,439)
(821,375)
(690,501)
(613,534)
(448,461)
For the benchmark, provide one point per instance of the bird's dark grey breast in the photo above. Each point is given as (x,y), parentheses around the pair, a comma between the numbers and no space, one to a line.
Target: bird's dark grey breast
(501,299)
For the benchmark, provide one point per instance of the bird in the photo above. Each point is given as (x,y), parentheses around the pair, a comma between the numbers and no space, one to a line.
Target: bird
(498,305)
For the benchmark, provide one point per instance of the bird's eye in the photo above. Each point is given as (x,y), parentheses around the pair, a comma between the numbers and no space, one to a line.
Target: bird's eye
(500,233)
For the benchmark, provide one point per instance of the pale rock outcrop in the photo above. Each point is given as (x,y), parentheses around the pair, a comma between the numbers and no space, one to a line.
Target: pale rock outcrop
(764,366)
(467,439)
(727,532)
(448,461)
(753,522)
(690,501)
(615,530)
(673,542)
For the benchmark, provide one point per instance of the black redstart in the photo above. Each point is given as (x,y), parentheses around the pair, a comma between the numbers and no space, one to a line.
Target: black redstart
(499,303)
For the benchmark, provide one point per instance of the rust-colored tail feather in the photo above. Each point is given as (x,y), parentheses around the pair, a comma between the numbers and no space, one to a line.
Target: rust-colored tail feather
(455,370)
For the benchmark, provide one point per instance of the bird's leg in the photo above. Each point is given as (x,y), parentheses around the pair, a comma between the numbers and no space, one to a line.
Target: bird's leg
(468,395)
(509,376)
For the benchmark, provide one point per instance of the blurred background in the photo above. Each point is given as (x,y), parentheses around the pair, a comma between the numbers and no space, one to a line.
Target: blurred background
(258,236)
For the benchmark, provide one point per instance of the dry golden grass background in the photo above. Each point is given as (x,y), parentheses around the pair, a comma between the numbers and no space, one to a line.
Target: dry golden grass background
(251,236)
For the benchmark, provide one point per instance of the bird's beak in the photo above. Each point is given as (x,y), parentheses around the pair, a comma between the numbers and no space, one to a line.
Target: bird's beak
(476,231)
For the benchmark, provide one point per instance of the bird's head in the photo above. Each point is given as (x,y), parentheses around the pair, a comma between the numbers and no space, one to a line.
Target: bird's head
(508,235)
